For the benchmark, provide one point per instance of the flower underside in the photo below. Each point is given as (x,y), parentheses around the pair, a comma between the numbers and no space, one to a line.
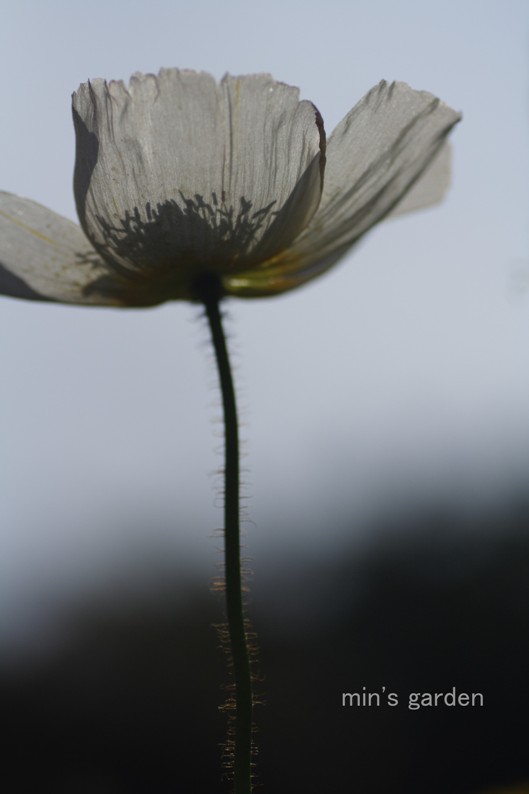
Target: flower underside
(166,249)
(178,177)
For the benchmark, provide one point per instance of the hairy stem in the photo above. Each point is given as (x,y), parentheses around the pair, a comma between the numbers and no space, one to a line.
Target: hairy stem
(233,577)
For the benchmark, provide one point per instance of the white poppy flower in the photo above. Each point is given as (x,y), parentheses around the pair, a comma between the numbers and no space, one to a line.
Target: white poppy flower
(178,177)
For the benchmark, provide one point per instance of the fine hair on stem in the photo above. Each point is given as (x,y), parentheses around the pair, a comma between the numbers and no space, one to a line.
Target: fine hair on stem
(235,635)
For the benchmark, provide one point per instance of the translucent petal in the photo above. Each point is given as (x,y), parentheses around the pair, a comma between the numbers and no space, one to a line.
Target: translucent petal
(431,187)
(44,256)
(178,175)
(375,155)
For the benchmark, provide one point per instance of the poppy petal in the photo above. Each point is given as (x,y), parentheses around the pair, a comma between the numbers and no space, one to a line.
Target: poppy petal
(374,157)
(183,175)
(44,256)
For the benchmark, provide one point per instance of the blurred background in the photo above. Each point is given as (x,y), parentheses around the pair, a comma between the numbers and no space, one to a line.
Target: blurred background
(385,413)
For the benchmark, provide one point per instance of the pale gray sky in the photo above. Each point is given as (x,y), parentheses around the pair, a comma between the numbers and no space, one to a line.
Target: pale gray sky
(405,367)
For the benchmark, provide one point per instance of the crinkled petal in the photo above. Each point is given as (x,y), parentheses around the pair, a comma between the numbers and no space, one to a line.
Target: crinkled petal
(178,174)
(44,256)
(374,157)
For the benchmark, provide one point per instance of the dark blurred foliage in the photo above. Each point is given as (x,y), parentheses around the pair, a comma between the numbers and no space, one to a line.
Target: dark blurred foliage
(129,701)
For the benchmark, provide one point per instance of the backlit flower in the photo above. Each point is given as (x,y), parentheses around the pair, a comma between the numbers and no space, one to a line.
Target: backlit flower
(178,177)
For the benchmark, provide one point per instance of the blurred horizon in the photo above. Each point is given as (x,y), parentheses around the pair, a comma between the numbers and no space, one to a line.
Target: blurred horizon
(434,601)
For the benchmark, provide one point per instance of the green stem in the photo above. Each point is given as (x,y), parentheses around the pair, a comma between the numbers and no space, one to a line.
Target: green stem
(233,576)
